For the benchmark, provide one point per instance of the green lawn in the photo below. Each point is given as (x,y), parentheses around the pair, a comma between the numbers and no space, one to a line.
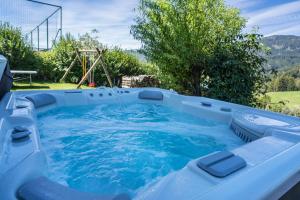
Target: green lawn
(45,86)
(292,99)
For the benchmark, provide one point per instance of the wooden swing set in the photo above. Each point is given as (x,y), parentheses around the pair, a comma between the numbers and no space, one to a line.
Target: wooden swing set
(85,57)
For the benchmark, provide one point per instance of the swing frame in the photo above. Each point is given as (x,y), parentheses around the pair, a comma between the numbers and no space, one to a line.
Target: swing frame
(98,60)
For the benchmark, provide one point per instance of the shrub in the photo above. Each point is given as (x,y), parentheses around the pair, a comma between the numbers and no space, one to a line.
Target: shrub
(292,111)
(46,66)
(14,47)
(285,83)
(63,54)
(119,63)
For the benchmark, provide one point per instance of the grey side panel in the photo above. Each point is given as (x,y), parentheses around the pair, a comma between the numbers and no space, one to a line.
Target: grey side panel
(44,189)
(6,81)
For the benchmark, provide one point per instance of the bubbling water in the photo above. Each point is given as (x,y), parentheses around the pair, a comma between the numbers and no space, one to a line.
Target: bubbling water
(105,149)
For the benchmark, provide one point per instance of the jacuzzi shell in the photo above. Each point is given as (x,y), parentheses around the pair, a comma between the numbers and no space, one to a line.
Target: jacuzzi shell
(273,163)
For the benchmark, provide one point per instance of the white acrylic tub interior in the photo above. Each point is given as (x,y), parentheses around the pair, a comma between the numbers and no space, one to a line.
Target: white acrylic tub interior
(272,151)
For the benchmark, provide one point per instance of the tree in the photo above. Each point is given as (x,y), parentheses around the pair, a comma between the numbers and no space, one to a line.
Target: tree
(236,74)
(285,83)
(90,40)
(183,38)
(180,35)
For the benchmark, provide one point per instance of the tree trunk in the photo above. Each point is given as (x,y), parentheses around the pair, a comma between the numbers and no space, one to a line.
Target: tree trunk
(196,80)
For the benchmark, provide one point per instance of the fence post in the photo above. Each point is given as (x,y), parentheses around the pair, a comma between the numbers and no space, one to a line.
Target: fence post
(47,24)
(38,33)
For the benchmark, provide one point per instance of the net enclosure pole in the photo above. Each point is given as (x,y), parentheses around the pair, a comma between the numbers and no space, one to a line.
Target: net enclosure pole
(61,33)
(59,9)
(38,35)
(31,40)
(47,24)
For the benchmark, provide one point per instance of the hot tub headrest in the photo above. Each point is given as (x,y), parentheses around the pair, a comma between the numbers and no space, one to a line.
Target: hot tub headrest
(44,189)
(41,100)
(221,164)
(151,95)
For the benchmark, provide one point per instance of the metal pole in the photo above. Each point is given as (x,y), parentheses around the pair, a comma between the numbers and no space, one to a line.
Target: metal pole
(48,4)
(38,33)
(47,24)
(61,34)
(31,40)
(59,8)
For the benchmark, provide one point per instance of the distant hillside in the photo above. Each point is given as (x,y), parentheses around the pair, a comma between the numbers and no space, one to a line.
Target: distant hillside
(285,51)
(293,72)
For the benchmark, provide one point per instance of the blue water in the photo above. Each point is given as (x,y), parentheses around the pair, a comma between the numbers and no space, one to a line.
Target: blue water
(112,149)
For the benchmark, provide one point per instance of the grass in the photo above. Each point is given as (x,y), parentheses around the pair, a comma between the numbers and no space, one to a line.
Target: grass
(45,86)
(292,99)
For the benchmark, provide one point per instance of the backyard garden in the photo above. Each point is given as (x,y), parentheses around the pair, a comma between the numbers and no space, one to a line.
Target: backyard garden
(195,53)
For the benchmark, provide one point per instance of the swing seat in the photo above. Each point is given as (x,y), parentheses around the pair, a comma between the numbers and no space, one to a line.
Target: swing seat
(92,84)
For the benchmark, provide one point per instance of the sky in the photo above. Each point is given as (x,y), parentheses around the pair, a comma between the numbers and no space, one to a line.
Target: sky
(113,18)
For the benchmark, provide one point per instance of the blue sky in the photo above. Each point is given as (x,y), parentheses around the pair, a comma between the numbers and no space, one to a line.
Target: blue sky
(113,18)
(273,17)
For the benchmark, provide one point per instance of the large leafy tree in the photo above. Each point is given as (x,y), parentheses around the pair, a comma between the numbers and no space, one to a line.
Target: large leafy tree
(185,37)
(236,73)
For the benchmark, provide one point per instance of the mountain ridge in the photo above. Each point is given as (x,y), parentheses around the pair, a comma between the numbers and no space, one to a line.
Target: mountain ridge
(285,52)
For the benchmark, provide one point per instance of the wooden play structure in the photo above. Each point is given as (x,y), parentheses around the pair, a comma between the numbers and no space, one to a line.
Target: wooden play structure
(89,59)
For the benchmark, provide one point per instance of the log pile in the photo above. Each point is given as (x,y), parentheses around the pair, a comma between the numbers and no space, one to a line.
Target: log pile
(140,81)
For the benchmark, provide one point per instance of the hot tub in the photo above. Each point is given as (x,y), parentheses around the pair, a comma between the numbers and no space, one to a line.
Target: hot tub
(146,143)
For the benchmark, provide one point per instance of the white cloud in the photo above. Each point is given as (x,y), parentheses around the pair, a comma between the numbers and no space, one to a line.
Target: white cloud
(272,13)
(112,18)
(287,30)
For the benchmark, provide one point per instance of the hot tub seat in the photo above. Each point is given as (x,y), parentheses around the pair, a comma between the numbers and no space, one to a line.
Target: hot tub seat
(43,189)
(41,100)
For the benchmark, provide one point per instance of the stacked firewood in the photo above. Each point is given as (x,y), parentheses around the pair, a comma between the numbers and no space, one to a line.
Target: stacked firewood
(140,81)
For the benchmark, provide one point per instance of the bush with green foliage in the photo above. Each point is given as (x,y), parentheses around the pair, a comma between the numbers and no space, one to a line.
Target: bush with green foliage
(14,47)
(51,65)
(236,73)
(119,63)
(45,66)
(55,62)
(264,102)
(191,40)
(286,80)
(293,112)
(283,82)
(64,53)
